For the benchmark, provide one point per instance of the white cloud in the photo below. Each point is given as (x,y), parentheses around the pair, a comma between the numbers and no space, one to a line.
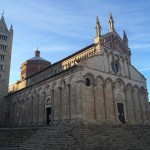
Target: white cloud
(146,69)
(141,46)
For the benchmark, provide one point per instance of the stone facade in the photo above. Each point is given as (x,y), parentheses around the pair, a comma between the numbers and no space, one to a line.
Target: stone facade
(97,84)
(6,37)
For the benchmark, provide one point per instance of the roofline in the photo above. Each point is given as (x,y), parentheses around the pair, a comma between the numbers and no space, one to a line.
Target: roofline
(73,67)
(89,46)
(139,72)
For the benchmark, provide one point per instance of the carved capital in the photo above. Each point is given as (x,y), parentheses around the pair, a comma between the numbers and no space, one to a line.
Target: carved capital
(94,83)
(113,86)
(125,89)
(80,81)
(68,85)
(104,85)
(43,93)
(52,90)
(59,88)
(133,90)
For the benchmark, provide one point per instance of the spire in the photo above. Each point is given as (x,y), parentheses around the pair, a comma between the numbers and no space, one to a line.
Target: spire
(11,28)
(3,24)
(111,23)
(98,31)
(98,27)
(125,39)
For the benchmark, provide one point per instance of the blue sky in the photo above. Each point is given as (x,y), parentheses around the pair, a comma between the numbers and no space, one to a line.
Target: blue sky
(60,27)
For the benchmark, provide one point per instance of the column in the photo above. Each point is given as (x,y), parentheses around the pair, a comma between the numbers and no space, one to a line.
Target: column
(52,106)
(126,105)
(44,110)
(59,100)
(104,86)
(122,68)
(114,103)
(128,67)
(123,61)
(32,108)
(134,113)
(69,105)
(95,114)
(110,60)
(147,105)
(38,108)
(79,100)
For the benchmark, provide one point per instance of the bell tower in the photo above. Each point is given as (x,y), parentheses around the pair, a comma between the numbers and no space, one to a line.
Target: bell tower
(6,38)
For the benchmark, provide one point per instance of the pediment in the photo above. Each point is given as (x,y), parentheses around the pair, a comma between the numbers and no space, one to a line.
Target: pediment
(113,41)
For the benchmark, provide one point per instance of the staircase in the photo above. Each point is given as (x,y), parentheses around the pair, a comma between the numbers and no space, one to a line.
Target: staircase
(109,137)
(77,137)
(10,138)
(48,138)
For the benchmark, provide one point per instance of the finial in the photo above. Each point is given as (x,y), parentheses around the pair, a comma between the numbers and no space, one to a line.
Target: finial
(124,34)
(110,15)
(111,23)
(11,27)
(97,20)
(3,13)
(125,39)
(98,31)
(98,27)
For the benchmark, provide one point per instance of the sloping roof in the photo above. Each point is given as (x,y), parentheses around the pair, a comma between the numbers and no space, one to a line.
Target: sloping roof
(37,58)
(85,48)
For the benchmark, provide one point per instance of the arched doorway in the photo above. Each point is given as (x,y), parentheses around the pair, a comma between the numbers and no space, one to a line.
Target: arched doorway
(120,101)
(121,115)
(48,110)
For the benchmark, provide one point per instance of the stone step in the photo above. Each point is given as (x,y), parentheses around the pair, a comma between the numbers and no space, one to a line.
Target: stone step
(76,137)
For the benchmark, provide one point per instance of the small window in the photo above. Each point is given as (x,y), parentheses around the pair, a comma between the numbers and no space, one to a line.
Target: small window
(1,67)
(88,82)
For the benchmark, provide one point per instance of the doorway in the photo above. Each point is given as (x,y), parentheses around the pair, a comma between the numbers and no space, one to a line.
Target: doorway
(48,112)
(121,112)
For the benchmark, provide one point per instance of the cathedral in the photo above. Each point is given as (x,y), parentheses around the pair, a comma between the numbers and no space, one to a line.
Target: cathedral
(97,84)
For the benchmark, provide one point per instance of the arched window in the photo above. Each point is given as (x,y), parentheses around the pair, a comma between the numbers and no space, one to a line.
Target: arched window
(87,82)
(115,67)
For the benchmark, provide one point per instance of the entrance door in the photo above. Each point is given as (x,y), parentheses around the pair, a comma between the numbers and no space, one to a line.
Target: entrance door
(48,112)
(121,112)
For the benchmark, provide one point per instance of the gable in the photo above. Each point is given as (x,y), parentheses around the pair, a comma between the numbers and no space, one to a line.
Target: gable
(136,75)
(114,41)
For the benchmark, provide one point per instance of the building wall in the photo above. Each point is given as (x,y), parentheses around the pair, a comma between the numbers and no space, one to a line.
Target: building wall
(72,100)
(97,84)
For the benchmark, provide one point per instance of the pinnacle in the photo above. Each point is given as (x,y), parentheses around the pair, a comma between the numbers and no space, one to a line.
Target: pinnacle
(97,20)
(3,24)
